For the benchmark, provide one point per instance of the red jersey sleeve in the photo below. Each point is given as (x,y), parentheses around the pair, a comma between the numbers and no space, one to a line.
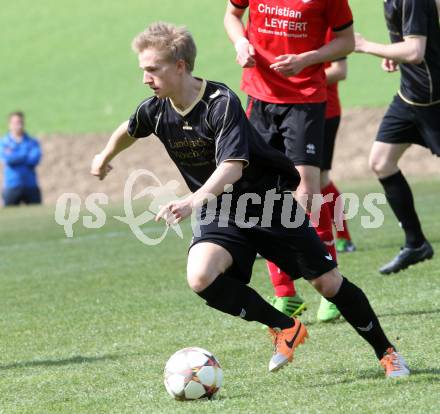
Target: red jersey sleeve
(240,4)
(339,15)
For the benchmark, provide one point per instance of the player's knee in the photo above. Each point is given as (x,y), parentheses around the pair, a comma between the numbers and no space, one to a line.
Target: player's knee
(199,280)
(375,165)
(328,284)
(196,281)
(380,166)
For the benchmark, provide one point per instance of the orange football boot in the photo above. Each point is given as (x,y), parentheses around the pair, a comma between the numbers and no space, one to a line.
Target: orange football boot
(394,364)
(285,342)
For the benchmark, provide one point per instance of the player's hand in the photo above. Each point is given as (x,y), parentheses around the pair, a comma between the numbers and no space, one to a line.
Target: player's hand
(100,168)
(360,43)
(175,211)
(389,65)
(289,65)
(245,53)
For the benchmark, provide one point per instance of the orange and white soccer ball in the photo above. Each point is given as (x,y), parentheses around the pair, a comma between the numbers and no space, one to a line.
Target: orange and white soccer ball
(192,373)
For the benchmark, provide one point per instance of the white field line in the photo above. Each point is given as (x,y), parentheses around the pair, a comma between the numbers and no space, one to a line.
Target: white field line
(77,239)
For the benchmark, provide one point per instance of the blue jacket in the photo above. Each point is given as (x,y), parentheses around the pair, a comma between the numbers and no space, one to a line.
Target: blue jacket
(20,160)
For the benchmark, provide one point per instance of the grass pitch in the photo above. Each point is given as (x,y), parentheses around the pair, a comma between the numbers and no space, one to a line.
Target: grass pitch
(87,325)
(69,66)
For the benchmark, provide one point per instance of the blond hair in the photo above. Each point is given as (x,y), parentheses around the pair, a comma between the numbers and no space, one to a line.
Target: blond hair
(176,42)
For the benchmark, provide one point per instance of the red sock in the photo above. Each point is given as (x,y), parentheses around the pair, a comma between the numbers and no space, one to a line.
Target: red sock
(324,228)
(343,232)
(282,283)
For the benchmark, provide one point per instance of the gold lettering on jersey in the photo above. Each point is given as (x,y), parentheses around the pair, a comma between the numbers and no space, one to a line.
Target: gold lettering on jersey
(188,143)
(195,150)
(205,152)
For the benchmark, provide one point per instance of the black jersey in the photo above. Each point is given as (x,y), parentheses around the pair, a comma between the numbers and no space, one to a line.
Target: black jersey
(212,130)
(420,84)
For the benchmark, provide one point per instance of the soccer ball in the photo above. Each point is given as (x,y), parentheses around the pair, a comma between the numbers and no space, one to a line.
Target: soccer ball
(192,373)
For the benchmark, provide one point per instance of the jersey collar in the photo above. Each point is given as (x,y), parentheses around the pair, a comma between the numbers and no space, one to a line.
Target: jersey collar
(195,102)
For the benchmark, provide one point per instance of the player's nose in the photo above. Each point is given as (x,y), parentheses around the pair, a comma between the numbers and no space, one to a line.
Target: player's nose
(148,80)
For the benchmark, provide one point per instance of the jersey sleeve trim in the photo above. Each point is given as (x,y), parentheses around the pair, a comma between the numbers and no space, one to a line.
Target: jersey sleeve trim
(237,159)
(414,36)
(220,137)
(343,27)
(217,139)
(238,6)
(341,59)
(137,119)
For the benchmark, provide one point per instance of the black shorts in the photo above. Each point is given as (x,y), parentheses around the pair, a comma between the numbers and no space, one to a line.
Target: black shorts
(297,251)
(295,129)
(17,195)
(330,132)
(410,124)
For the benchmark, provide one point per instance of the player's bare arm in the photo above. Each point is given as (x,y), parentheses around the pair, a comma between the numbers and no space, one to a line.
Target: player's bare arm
(233,22)
(411,50)
(225,175)
(336,72)
(342,45)
(119,141)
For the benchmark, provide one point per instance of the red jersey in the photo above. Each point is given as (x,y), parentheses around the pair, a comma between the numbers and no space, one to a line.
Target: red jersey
(278,27)
(333,108)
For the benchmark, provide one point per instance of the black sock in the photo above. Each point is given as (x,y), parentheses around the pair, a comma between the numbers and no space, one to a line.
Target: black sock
(231,296)
(400,198)
(357,311)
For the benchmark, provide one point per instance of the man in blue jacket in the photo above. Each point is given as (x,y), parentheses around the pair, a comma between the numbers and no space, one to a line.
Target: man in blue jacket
(20,154)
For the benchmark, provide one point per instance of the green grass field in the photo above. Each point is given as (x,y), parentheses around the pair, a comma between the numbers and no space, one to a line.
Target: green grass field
(69,66)
(87,325)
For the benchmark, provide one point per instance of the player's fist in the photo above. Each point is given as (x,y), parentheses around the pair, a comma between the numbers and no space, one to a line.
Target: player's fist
(389,65)
(100,167)
(289,65)
(176,211)
(245,53)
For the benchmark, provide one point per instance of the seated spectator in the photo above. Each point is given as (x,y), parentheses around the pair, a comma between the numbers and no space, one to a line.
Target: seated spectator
(20,154)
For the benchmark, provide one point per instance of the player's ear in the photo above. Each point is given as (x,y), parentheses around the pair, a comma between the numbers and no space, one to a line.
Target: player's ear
(181,66)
